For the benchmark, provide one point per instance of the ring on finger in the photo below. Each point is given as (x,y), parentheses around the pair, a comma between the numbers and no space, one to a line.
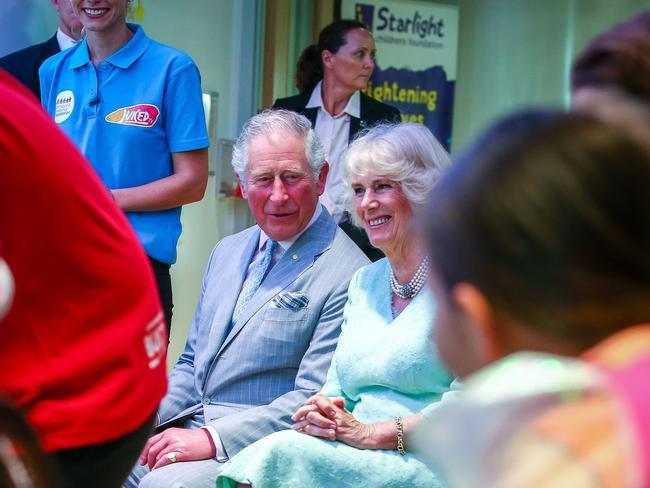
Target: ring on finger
(171,456)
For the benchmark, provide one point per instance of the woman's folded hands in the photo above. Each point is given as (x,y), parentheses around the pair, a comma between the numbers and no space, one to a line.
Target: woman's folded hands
(326,417)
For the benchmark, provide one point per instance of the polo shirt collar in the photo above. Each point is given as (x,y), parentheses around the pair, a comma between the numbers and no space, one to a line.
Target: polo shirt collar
(132,50)
(123,57)
(80,56)
(353,107)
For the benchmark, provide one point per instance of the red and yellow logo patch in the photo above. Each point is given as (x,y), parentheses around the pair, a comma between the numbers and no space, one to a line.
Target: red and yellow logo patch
(142,115)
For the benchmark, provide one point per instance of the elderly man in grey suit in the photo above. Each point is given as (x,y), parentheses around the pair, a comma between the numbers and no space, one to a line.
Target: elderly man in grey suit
(269,314)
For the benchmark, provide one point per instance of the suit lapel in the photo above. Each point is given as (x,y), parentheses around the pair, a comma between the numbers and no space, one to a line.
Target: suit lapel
(295,261)
(50,47)
(311,114)
(357,124)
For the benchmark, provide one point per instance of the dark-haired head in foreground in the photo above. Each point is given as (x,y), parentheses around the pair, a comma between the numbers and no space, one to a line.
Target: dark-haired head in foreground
(539,236)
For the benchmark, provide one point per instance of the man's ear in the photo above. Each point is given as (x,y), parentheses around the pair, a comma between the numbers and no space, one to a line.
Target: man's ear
(242,188)
(476,308)
(322,178)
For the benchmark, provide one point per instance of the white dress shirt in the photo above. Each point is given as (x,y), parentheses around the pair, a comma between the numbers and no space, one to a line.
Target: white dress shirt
(64,40)
(334,133)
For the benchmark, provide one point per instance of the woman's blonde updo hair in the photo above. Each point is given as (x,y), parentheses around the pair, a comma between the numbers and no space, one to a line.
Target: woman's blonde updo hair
(406,153)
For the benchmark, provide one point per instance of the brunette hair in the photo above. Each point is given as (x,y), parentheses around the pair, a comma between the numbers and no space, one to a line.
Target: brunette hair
(309,70)
(548,215)
(618,59)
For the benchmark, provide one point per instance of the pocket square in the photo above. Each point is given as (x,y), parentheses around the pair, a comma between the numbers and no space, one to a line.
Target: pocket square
(292,300)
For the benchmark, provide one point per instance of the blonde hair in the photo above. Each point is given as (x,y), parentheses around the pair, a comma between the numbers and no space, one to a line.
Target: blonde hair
(406,153)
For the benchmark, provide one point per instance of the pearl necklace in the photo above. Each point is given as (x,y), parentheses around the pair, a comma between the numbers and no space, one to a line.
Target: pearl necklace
(414,286)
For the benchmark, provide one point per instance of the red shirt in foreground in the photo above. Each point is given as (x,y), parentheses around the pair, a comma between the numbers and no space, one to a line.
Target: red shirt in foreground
(82,350)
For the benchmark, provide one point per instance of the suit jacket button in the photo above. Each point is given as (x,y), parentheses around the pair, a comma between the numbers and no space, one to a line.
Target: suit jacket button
(294,257)
(206,401)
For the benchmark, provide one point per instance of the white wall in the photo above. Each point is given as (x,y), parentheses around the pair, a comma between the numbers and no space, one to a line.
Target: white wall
(516,53)
(25,22)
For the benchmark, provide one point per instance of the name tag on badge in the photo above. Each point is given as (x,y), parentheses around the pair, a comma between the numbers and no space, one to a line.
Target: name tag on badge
(64,106)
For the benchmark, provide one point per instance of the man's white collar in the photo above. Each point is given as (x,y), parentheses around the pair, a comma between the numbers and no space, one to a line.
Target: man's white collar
(64,40)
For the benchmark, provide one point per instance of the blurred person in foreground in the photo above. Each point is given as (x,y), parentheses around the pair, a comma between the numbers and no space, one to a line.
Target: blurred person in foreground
(385,376)
(610,79)
(330,76)
(539,238)
(82,347)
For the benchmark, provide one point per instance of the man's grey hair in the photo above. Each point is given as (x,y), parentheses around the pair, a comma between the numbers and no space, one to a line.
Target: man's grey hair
(406,153)
(277,121)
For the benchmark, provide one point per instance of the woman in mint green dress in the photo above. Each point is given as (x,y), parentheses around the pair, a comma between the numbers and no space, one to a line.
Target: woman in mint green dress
(386,375)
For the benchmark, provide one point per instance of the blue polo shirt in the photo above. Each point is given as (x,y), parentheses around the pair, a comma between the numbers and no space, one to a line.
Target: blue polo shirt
(127,116)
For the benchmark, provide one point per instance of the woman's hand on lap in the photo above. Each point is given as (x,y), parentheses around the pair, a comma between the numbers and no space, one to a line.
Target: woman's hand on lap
(326,417)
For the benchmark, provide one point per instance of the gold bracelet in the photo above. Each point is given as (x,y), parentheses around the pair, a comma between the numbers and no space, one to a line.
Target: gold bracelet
(400,435)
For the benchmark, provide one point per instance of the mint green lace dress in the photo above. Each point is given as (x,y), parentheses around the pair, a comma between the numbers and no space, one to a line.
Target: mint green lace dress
(384,368)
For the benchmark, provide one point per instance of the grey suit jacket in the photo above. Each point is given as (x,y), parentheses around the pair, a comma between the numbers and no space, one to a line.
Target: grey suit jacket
(249,381)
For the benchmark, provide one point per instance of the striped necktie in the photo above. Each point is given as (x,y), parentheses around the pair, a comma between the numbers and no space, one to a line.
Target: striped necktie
(254,279)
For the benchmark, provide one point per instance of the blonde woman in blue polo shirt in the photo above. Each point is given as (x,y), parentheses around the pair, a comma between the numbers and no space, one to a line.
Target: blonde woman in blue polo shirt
(133,107)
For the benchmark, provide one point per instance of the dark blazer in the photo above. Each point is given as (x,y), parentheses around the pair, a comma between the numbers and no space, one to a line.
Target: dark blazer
(24,64)
(372,112)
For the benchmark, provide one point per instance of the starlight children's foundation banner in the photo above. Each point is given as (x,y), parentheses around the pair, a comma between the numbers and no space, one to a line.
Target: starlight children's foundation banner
(417,46)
